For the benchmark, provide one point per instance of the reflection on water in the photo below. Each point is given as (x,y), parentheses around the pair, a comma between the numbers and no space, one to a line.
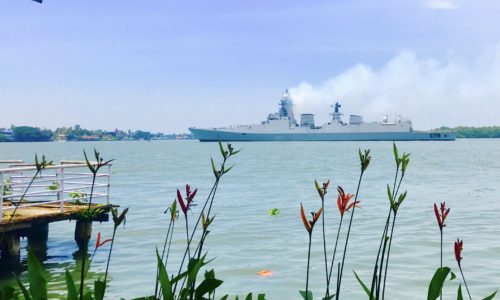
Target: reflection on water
(245,239)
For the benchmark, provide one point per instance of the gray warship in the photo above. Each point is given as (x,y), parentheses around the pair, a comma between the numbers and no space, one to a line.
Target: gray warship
(282,126)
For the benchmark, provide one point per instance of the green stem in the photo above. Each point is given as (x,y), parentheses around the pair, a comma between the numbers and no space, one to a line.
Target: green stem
(337,296)
(162,256)
(84,254)
(465,282)
(441,264)
(109,259)
(333,258)
(388,254)
(324,243)
(308,261)
(375,268)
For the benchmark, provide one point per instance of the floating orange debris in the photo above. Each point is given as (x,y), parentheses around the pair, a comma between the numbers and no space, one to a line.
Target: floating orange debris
(265,273)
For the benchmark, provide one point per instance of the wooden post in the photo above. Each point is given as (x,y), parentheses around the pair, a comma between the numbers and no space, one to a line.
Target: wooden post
(83,231)
(10,245)
(37,240)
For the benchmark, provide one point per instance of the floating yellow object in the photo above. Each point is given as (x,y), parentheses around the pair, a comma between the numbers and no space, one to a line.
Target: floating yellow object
(265,273)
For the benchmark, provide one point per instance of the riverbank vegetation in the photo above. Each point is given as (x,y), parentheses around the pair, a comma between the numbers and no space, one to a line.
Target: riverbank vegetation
(192,278)
(76,133)
(465,132)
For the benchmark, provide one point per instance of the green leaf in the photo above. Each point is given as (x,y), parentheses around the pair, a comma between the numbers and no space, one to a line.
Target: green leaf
(491,296)
(391,199)
(459,294)
(207,286)
(396,156)
(210,274)
(329,297)
(99,289)
(224,298)
(25,292)
(401,199)
(36,277)
(194,267)
(222,151)
(306,296)
(173,210)
(453,276)
(437,282)
(249,296)
(70,285)
(8,293)
(165,283)
(89,165)
(363,285)
(88,296)
(261,297)
(227,170)
(216,173)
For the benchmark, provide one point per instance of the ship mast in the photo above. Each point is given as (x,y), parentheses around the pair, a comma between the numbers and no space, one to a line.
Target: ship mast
(336,114)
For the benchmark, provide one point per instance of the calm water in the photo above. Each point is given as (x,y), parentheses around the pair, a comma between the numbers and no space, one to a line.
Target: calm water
(245,240)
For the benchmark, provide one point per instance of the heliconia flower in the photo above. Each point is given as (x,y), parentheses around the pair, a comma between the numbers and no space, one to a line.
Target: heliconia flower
(189,198)
(322,190)
(441,215)
(458,250)
(98,241)
(343,201)
(310,224)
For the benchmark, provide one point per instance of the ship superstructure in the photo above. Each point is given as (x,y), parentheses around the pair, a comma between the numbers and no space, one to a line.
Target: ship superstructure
(282,126)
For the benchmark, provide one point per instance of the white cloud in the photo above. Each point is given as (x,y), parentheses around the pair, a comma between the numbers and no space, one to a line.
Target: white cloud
(441,4)
(430,92)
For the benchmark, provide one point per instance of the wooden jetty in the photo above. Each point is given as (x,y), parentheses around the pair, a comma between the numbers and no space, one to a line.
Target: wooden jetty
(61,192)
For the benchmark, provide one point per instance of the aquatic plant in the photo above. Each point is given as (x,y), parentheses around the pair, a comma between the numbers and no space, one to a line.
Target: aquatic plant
(94,167)
(364,158)
(322,193)
(377,289)
(309,225)
(441,217)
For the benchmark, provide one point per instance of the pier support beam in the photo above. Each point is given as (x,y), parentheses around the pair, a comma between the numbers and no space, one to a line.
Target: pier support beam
(37,240)
(10,246)
(83,231)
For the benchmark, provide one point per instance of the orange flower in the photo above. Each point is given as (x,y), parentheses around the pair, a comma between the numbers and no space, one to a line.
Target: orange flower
(310,224)
(98,241)
(343,201)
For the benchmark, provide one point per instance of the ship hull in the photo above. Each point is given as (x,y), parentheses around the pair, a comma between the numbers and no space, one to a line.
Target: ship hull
(213,135)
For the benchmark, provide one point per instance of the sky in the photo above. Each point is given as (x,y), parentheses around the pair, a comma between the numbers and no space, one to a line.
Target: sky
(165,66)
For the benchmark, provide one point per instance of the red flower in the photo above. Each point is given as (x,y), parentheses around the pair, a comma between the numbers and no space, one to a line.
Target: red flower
(441,215)
(189,198)
(310,224)
(98,241)
(458,250)
(343,201)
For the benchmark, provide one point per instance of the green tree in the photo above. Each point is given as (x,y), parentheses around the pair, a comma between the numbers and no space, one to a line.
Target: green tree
(32,134)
